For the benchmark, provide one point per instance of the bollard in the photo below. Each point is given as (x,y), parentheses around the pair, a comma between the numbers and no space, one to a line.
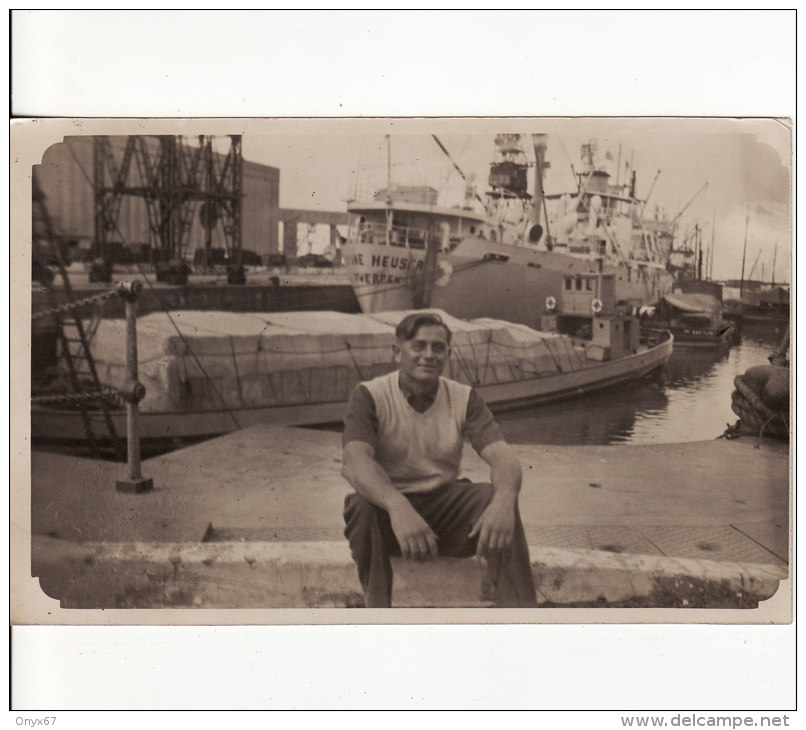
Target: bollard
(133,392)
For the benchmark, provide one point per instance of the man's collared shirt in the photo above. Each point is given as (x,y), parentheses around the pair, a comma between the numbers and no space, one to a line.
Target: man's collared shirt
(361,419)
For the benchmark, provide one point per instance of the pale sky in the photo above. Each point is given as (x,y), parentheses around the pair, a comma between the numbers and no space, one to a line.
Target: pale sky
(744,161)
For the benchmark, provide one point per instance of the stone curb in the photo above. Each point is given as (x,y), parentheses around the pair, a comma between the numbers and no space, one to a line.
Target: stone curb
(322,574)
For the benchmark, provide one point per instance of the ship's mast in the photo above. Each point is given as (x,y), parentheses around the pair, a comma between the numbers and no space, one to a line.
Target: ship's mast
(539,198)
(744,250)
(388,161)
(774,257)
(388,189)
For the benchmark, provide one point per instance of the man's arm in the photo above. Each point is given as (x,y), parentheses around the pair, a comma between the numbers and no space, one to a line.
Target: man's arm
(416,539)
(496,526)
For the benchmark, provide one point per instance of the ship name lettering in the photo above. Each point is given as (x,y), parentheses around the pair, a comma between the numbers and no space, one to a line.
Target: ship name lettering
(389,262)
(376,278)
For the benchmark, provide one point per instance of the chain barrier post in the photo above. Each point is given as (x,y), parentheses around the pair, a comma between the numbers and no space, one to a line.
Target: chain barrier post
(132,392)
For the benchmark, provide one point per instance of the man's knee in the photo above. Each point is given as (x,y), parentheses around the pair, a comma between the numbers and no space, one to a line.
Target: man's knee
(358,509)
(363,517)
(482,493)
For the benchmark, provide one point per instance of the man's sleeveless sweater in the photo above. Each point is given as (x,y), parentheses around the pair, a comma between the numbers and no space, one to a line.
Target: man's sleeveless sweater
(419,451)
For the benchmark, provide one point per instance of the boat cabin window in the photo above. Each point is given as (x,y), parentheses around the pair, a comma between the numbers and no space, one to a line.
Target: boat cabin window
(416,238)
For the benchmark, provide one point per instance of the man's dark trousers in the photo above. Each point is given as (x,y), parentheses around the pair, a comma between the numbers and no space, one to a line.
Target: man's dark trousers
(451,511)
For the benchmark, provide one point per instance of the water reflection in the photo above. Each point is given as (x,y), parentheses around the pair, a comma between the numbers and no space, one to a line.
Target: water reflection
(687,367)
(601,418)
(688,401)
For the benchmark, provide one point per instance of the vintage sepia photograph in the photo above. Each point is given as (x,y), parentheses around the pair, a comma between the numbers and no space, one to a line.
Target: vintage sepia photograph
(523,369)
(381,360)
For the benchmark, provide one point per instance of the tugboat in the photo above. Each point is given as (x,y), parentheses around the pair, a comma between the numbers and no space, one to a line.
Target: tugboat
(503,257)
(693,313)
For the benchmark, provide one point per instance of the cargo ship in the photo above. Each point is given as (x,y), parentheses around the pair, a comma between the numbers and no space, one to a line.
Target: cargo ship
(505,256)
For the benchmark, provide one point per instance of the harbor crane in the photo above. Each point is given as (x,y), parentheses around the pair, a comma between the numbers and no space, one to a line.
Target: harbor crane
(178,183)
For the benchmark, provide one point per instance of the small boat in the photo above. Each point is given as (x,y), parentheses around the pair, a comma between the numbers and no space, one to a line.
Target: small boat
(693,312)
(769,304)
(209,373)
(409,249)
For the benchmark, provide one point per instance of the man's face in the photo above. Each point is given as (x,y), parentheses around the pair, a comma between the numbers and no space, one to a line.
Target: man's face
(423,357)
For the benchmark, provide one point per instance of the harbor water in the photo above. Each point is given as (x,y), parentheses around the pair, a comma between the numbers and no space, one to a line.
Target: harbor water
(688,401)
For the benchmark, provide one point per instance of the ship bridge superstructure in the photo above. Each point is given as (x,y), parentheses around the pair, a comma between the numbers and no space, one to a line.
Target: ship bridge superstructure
(409,217)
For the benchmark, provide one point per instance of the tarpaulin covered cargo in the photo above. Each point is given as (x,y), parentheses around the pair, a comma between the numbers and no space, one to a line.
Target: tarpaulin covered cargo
(197,360)
(693,303)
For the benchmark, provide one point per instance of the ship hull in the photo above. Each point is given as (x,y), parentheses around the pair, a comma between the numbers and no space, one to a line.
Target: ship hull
(482,279)
(699,339)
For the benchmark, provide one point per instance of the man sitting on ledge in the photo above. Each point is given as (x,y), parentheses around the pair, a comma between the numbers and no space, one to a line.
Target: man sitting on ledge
(402,445)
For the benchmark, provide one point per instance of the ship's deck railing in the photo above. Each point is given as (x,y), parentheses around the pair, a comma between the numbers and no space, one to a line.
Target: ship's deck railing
(402,236)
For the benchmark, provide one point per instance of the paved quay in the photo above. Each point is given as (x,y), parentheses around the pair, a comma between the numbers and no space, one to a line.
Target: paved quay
(253,520)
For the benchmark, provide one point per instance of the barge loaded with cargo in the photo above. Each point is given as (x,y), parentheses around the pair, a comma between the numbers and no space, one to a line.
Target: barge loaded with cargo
(202,374)
(211,373)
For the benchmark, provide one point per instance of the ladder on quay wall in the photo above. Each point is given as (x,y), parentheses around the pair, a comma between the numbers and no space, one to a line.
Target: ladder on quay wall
(88,394)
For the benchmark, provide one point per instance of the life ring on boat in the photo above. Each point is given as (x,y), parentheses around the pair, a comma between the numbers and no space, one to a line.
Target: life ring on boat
(596,306)
(445,276)
(551,304)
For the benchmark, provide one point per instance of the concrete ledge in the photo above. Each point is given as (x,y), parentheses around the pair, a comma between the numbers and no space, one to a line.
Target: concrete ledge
(565,577)
(322,574)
